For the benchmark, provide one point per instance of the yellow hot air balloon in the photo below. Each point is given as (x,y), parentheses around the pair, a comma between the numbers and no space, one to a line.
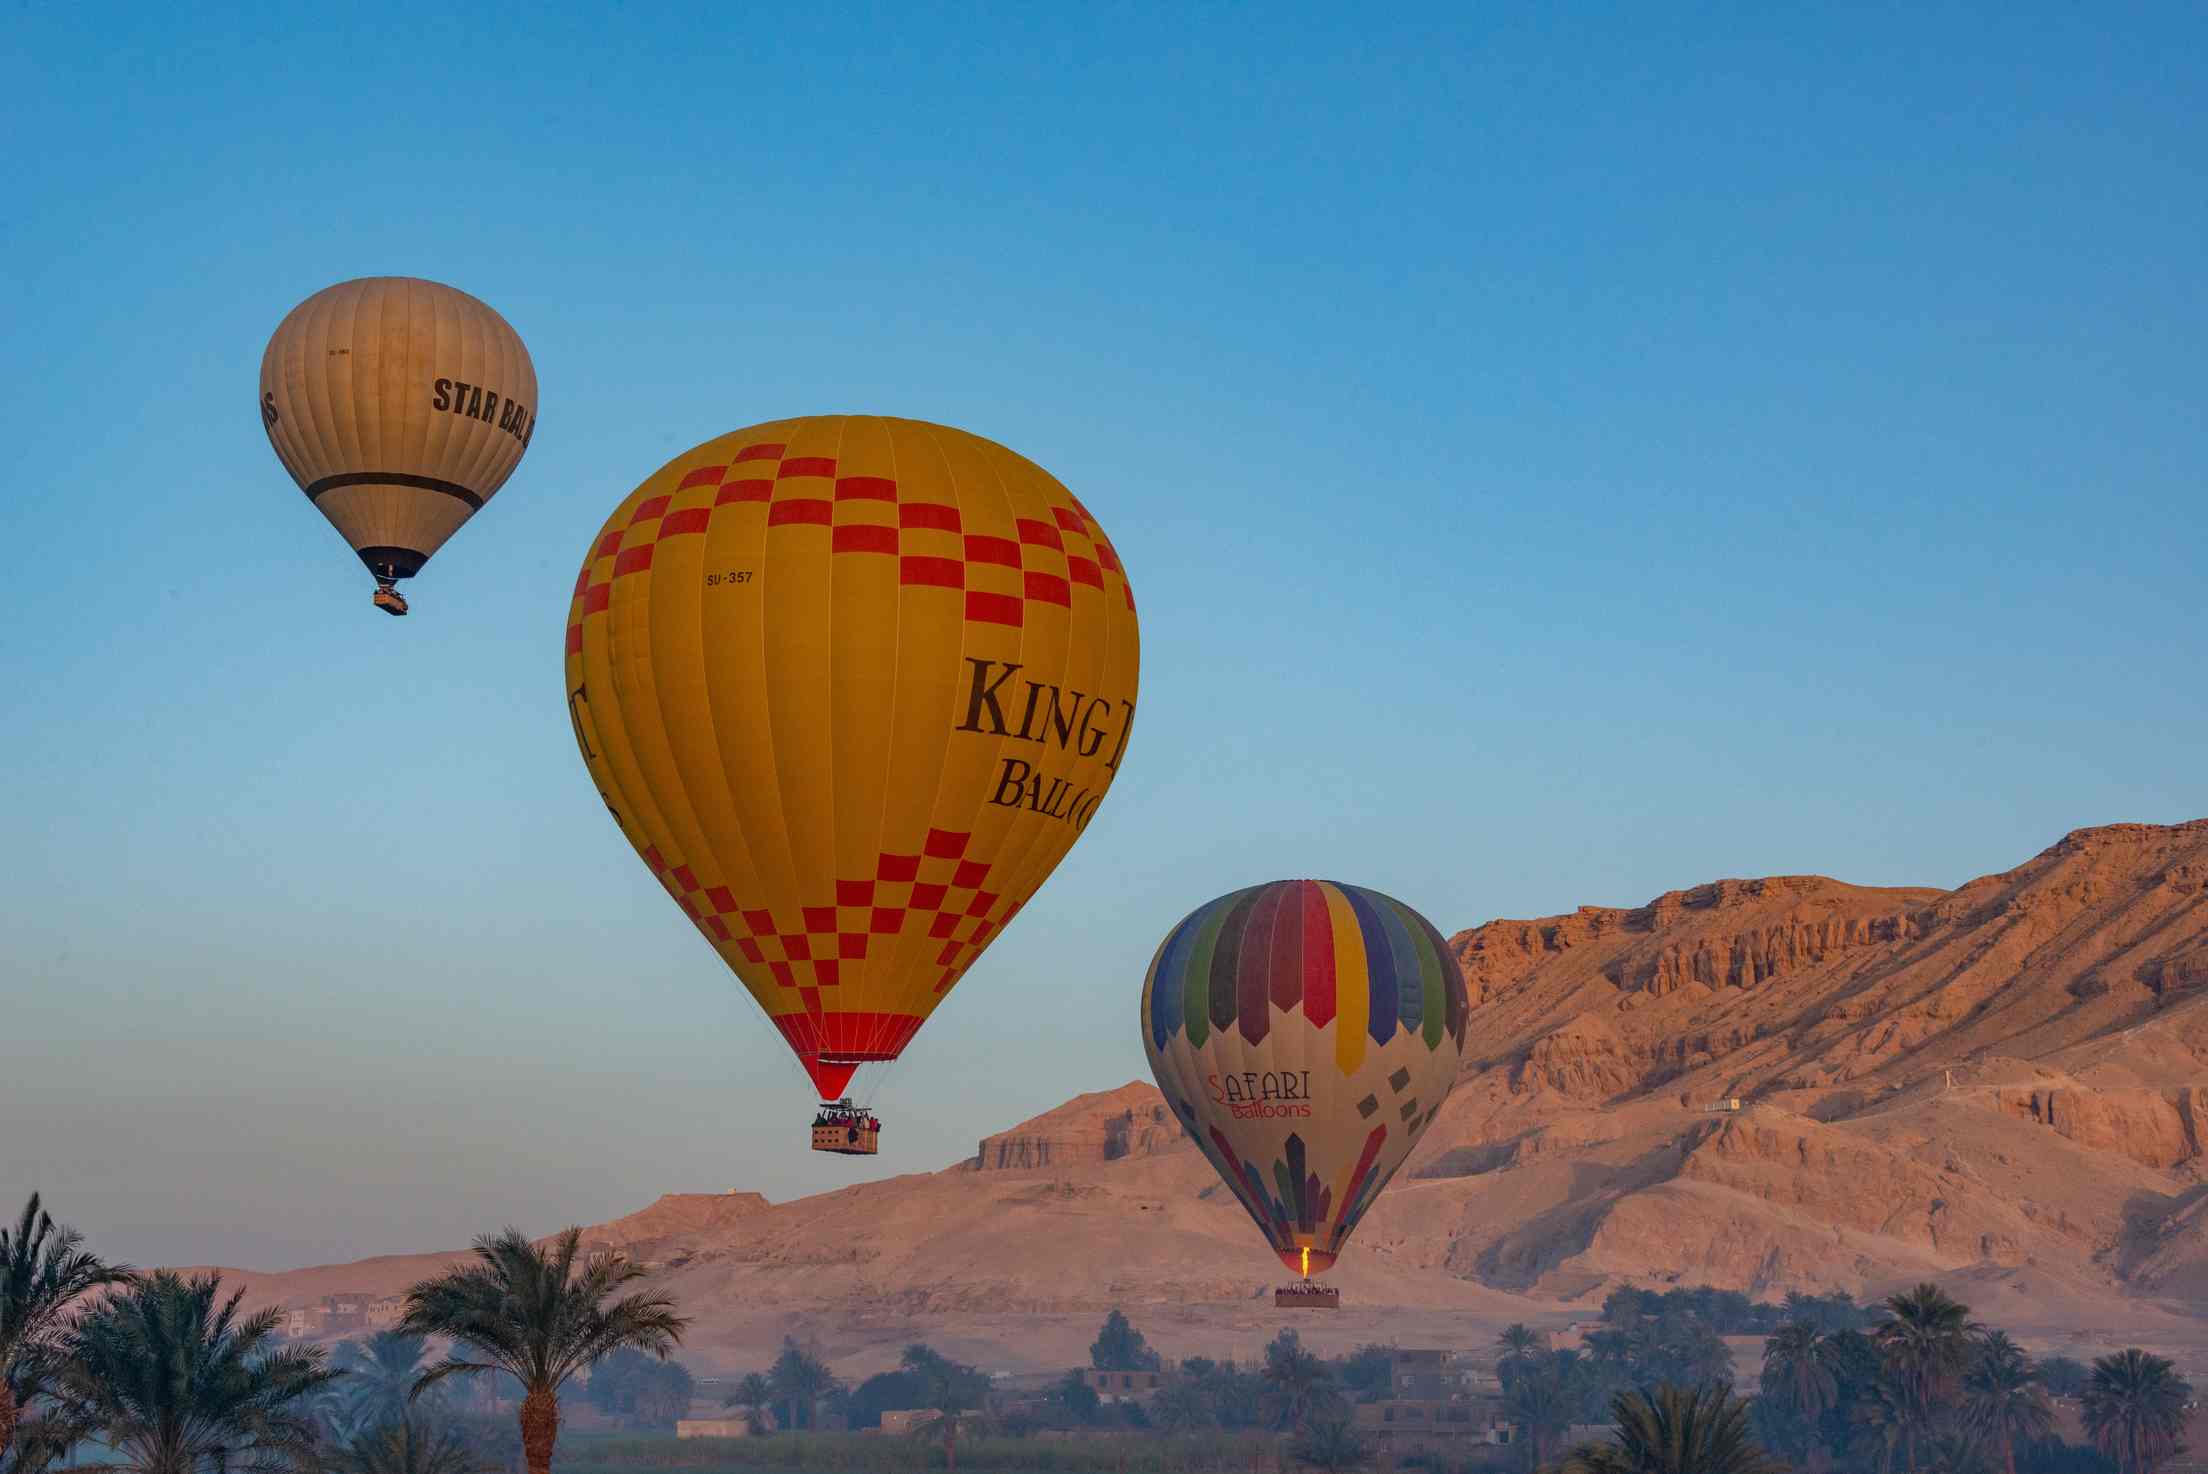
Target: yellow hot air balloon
(1305,1033)
(400,407)
(852,687)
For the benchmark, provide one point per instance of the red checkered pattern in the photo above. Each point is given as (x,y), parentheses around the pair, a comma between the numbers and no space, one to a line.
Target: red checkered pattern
(999,577)
(938,890)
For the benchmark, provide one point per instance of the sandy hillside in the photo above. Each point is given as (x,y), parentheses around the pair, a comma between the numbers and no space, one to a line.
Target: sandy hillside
(1999,1087)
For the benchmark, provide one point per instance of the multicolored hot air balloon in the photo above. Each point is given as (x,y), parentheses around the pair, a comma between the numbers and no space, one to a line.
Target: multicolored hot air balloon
(400,407)
(852,687)
(1305,1032)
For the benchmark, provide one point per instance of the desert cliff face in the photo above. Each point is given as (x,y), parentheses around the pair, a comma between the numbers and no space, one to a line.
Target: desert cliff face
(1086,1131)
(2005,1075)
(1999,1086)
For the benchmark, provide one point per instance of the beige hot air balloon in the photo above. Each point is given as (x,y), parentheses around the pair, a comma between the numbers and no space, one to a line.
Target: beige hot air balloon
(400,406)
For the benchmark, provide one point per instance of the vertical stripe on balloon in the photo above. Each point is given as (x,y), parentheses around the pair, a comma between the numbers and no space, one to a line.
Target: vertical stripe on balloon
(1196,978)
(1252,999)
(1168,972)
(1315,939)
(1218,982)
(1352,983)
(1225,954)
(1433,1005)
(1381,1014)
(1455,1002)
(1284,949)
(1410,986)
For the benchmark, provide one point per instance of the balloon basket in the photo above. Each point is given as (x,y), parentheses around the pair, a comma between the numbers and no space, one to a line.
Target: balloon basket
(390,600)
(847,1130)
(1307,1295)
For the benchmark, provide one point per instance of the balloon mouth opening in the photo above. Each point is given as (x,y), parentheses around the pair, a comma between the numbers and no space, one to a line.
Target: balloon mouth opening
(391,564)
(1305,1261)
(832,1071)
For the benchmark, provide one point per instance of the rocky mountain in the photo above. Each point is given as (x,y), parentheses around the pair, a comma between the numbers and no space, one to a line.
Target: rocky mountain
(2003,1076)
(1765,1084)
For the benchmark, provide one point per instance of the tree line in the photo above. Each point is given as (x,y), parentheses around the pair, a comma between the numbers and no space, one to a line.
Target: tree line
(164,1374)
(1913,1384)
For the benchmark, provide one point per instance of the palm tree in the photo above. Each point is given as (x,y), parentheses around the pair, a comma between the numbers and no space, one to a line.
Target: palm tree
(176,1381)
(957,1395)
(1329,1443)
(1675,1430)
(408,1446)
(2135,1409)
(1925,1338)
(799,1380)
(1798,1372)
(1518,1341)
(1540,1401)
(1592,1458)
(753,1394)
(540,1316)
(1957,1453)
(1882,1413)
(1298,1379)
(2002,1398)
(44,1269)
(1994,1344)
(380,1374)
(46,1427)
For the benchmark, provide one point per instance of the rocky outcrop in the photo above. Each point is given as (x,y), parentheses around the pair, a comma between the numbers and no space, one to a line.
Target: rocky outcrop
(2152,1128)
(1914,1062)
(1131,1121)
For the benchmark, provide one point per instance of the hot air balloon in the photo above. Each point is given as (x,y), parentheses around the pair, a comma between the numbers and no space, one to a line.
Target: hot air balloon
(400,407)
(1306,1033)
(851,687)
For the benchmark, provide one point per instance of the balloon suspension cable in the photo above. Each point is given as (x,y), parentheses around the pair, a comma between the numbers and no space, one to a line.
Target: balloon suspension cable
(880,1081)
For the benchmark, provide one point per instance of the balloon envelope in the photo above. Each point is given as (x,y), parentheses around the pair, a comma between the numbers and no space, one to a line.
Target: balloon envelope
(1306,1033)
(400,407)
(851,687)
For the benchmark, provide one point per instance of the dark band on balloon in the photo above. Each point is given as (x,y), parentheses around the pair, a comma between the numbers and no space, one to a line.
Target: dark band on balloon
(395,478)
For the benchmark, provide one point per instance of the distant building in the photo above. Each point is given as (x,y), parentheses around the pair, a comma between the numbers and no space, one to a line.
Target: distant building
(1121,1386)
(903,1420)
(336,1314)
(1399,1425)
(712,1428)
(1424,1376)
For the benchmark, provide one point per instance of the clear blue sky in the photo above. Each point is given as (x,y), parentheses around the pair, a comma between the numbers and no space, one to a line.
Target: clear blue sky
(1563,454)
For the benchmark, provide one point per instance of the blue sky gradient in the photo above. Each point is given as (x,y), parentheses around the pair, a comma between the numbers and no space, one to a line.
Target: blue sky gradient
(1562,456)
